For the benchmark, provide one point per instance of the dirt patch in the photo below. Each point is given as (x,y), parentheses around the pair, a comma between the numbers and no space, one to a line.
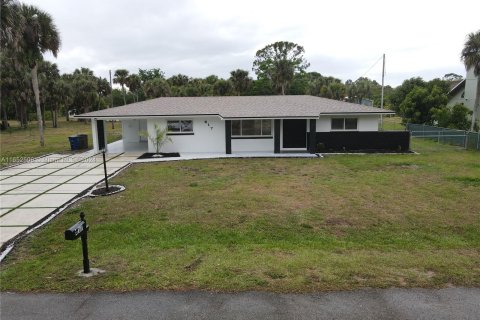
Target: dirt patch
(104,192)
(194,264)
(275,274)
(404,166)
(337,222)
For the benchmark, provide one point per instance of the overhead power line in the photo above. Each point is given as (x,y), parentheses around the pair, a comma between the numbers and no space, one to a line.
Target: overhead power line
(376,62)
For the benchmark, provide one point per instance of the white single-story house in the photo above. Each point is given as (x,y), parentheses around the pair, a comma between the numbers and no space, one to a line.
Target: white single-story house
(234,124)
(465,91)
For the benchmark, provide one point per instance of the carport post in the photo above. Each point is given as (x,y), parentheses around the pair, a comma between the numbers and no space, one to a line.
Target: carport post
(313,136)
(228,136)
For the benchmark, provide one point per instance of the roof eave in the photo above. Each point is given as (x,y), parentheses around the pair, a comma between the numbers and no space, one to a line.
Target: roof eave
(357,113)
(143,116)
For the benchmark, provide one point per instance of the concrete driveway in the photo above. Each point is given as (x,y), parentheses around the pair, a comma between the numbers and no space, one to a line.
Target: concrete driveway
(395,303)
(31,191)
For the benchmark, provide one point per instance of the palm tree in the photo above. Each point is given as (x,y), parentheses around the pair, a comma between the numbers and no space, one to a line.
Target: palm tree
(156,88)
(240,81)
(471,57)
(120,77)
(11,26)
(39,36)
(134,83)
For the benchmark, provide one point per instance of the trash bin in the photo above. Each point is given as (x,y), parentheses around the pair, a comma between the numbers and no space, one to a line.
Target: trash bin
(83,141)
(74,142)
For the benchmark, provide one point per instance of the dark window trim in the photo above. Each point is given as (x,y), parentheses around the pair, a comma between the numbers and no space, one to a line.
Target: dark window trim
(180,134)
(256,136)
(252,137)
(344,119)
(174,133)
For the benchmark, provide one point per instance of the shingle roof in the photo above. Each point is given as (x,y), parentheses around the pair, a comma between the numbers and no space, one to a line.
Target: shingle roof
(236,107)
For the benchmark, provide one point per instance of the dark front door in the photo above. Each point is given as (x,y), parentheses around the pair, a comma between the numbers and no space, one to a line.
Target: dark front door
(295,133)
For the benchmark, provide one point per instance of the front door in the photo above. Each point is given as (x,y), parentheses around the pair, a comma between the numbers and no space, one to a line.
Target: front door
(295,133)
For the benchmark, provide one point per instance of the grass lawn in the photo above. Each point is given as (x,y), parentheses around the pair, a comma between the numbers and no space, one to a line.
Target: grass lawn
(283,225)
(393,123)
(17,142)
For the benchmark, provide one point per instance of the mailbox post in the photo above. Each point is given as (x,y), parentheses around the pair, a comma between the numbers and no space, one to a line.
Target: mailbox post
(80,230)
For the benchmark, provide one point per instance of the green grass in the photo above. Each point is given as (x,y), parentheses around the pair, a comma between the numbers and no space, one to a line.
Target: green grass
(283,225)
(393,123)
(18,142)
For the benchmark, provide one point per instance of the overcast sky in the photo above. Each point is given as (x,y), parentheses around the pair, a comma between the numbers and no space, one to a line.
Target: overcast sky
(198,38)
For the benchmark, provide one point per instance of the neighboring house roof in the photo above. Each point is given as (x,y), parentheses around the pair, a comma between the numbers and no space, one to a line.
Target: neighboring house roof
(453,83)
(229,107)
(456,88)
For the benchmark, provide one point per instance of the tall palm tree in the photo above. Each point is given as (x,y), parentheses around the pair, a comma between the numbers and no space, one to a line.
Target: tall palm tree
(39,36)
(120,77)
(240,81)
(134,83)
(471,57)
(11,26)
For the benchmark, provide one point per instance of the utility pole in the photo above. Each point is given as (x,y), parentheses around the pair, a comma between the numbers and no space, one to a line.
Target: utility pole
(383,82)
(111,95)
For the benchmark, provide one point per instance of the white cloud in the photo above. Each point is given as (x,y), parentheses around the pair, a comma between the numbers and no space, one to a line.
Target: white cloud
(202,37)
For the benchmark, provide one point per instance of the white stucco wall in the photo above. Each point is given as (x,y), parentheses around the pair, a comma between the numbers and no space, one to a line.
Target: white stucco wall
(131,130)
(208,136)
(368,123)
(323,124)
(252,145)
(365,123)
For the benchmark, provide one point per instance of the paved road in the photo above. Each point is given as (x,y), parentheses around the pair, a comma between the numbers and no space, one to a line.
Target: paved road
(451,303)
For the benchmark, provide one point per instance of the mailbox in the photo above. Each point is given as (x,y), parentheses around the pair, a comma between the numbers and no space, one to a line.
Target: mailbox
(75,231)
(79,230)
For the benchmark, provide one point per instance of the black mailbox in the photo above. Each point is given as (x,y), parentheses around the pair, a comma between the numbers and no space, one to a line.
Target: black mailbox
(75,231)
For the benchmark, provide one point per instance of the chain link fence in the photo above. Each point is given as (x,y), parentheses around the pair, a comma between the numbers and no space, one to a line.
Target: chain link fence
(462,138)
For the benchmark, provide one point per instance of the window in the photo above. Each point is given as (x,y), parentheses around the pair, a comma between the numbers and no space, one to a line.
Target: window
(257,128)
(180,126)
(350,123)
(344,123)
(337,124)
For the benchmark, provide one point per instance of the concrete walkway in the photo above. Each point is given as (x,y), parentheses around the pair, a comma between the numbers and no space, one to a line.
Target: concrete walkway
(450,303)
(31,191)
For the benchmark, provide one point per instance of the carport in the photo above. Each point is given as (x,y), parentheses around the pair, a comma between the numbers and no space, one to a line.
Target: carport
(132,138)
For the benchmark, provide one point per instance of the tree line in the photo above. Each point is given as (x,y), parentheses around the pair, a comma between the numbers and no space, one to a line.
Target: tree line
(416,100)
